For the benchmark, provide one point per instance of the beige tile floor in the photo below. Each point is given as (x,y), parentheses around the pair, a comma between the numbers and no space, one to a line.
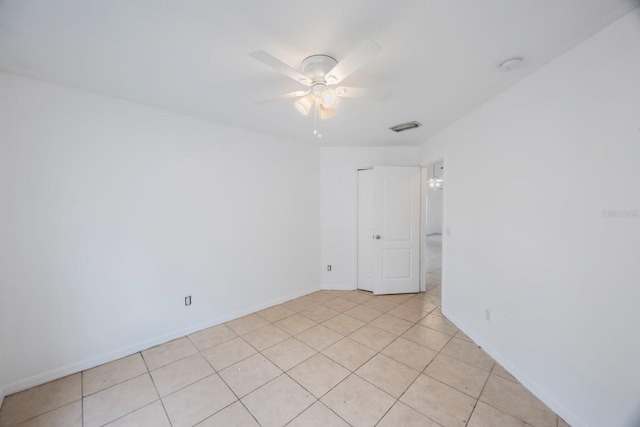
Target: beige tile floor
(331,358)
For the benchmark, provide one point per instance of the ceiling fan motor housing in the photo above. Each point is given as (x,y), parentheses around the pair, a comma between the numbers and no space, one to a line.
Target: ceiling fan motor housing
(316,67)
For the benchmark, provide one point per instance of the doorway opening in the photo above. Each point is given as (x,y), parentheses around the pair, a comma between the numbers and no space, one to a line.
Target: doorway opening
(433,214)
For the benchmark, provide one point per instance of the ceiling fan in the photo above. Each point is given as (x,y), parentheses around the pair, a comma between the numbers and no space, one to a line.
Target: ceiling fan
(320,73)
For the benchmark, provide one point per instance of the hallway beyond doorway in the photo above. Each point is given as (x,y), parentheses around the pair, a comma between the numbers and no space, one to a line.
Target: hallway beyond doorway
(433,263)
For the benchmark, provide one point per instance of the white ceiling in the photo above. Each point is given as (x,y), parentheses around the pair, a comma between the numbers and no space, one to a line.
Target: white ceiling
(439,57)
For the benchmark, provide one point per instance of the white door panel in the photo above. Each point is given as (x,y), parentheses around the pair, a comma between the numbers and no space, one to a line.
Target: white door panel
(396,223)
(396,220)
(396,264)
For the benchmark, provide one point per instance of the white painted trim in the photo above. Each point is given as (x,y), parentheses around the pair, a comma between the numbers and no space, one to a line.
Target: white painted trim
(339,287)
(445,238)
(356,222)
(64,371)
(357,225)
(524,379)
(423,228)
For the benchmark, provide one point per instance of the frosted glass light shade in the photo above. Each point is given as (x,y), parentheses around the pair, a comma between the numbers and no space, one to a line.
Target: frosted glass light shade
(305,104)
(325,113)
(329,99)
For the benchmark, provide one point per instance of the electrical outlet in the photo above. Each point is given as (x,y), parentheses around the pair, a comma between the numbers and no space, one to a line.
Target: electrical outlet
(448,231)
(328,267)
(487,314)
(187,300)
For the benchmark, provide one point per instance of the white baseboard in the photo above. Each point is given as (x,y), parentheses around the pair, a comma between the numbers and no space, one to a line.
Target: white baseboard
(524,379)
(73,368)
(337,287)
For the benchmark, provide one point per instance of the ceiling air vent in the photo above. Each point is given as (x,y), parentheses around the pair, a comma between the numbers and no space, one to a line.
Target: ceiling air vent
(405,126)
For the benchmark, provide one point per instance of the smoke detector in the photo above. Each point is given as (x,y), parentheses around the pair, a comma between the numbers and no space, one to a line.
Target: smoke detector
(511,64)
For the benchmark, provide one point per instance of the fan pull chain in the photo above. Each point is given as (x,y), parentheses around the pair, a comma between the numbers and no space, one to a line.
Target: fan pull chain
(316,113)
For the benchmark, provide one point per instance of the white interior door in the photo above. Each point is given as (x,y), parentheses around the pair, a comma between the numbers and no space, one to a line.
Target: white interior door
(396,230)
(365,230)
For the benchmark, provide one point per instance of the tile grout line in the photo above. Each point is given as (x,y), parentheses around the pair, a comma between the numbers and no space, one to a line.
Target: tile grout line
(164,408)
(135,410)
(48,412)
(434,358)
(282,372)
(320,352)
(154,385)
(317,399)
(451,337)
(238,399)
(416,378)
(380,352)
(82,398)
(120,383)
(229,387)
(484,385)
(506,413)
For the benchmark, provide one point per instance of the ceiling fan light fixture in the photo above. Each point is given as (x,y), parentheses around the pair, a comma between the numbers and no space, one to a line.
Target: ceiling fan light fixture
(325,113)
(436,182)
(319,72)
(305,104)
(329,99)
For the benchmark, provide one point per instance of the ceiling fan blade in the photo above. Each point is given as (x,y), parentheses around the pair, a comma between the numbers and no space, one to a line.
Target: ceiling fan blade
(275,63)
(358,92)
(355,59)
(295,94)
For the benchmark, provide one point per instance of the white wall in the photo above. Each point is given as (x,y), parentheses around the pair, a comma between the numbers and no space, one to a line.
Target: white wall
(434,211)
(2,374)
(338,195)
(3,341)
(527,178)
(112,212)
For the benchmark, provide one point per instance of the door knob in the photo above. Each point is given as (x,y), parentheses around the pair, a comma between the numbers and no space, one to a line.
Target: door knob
(377,237)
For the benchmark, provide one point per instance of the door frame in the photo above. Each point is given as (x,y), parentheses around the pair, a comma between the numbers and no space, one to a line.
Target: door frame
(358,226)
(423,226)
(424,169)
